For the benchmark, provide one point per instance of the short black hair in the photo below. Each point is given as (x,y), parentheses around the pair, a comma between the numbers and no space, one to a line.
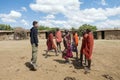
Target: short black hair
(88,30)
(50,32)
(75,31)
(83,33)
(34,22)
(66,31)
(57,29)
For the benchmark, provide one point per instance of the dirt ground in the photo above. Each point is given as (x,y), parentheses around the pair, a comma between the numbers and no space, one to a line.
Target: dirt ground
(14,56)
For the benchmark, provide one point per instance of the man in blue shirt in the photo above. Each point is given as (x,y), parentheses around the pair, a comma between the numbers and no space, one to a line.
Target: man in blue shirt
(34,43)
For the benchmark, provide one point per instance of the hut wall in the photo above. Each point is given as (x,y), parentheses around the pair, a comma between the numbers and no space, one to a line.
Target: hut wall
(6,36)
(99,35)
(112,35)
(42,35)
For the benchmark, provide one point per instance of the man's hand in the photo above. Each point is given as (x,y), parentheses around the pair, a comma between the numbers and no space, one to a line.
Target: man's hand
(36,45)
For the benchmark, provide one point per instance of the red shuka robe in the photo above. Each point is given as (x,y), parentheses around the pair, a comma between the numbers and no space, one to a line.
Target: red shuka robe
(84,41)
(67,53)
(58,36)
(50,42)
(89,46)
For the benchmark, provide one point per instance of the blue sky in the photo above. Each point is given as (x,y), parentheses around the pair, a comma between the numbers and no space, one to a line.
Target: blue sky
(60,13)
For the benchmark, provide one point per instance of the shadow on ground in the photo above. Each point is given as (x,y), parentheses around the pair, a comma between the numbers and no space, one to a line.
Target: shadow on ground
(50,50)
(48,55)
(29,66)
(60,61)
(76,64)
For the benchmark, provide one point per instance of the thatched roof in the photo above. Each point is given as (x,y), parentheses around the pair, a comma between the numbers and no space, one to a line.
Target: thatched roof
(5,31)
(108,30)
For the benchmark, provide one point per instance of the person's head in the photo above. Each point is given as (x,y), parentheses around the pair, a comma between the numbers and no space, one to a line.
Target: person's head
(83,33)
(63,35)
(74,32)
(50,32)
(35,24)
(88,30)
(66,32)
(57,29)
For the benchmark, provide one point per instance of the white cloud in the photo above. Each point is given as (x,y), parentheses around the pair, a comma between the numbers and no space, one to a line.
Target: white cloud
(50,17)
(24,22)
(109,24)
(55,6)
(23,9)
(53,23)
(11,17)
(103,2)
(71,10)
(100,14)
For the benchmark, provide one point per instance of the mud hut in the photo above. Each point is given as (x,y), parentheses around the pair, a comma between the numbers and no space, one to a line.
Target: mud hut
(107,34)
(6,35)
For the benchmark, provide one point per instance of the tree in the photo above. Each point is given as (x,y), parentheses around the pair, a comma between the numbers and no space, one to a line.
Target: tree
(45,28)
(5,27)
(86,26)
(73,29)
